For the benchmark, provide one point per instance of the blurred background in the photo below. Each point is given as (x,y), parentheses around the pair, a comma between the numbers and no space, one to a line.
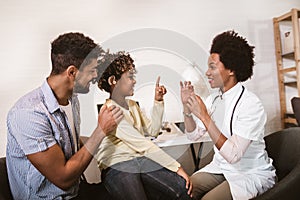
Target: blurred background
(28,27)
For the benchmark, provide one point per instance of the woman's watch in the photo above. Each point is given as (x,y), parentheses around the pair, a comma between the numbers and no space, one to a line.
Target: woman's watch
(187,114)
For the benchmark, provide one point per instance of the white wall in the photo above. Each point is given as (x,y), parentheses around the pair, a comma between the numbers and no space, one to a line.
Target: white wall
(28,27)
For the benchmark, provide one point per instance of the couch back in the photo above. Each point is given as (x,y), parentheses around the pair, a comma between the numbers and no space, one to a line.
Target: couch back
(284,148)
(5,193)
(295,101)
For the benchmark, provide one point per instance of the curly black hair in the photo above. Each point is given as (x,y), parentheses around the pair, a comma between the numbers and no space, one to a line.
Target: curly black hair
(235,53)
(113,64)
(72,49)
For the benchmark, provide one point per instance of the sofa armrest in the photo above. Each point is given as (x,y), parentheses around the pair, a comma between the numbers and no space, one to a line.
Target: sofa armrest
(5,192)
(287,188)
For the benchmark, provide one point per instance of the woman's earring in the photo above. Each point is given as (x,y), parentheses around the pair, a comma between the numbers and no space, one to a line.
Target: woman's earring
(114,82)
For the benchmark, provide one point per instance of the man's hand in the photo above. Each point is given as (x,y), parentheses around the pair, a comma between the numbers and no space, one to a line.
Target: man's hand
(109,118)
(160,90)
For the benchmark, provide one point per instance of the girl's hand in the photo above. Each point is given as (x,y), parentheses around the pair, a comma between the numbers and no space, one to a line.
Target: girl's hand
(188,183)
(160,91)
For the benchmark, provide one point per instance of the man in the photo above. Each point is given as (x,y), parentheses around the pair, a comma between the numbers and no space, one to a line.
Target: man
(44,159)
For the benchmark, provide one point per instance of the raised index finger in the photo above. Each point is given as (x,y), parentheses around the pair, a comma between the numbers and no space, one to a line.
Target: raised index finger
(157,81)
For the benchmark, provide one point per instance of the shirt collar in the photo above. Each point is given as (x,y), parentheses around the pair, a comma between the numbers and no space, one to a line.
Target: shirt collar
(231,91)
(110,102)
(50,99)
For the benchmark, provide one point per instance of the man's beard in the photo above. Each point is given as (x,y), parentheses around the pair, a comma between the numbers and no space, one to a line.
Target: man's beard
(80,89)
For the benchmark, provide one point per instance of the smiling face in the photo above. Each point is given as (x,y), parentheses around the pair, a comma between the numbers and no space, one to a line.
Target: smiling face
(85,76)
(218,76)
(125,85)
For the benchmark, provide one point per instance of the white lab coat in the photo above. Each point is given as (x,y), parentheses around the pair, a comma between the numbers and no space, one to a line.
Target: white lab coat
(254,173)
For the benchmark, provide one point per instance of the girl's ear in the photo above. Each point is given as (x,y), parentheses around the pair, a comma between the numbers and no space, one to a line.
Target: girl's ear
(112,80)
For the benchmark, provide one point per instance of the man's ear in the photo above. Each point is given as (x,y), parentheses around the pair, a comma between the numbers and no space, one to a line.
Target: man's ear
(112,80)
(71,71)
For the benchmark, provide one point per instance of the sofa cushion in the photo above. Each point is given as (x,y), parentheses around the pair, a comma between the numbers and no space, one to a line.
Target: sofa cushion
(5,192)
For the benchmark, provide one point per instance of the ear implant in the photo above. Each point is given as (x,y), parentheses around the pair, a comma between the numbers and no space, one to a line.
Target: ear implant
(111,80)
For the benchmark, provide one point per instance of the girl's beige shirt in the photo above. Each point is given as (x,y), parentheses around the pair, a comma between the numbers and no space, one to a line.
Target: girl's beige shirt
(128,141)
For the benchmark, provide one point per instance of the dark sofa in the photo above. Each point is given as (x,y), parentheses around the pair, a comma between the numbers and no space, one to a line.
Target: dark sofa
(282,146)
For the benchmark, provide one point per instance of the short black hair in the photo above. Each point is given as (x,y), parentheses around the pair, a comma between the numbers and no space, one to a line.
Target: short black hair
(235,53)
(72,49)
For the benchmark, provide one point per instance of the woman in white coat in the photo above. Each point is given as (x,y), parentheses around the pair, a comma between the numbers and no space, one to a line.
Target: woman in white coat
(234,119)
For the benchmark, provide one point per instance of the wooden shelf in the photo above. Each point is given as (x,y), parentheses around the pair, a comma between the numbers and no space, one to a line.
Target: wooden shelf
(289,55)
(290,120)
(288,16)
(286,70)
(292,16)
(291,84)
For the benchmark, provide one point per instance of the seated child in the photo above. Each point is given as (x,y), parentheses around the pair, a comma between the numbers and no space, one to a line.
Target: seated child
(132,166)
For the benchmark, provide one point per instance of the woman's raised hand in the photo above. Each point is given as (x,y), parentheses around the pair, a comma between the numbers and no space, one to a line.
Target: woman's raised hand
(186,90)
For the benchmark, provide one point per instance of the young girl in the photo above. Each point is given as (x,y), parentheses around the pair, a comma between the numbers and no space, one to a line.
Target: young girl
(132,166)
